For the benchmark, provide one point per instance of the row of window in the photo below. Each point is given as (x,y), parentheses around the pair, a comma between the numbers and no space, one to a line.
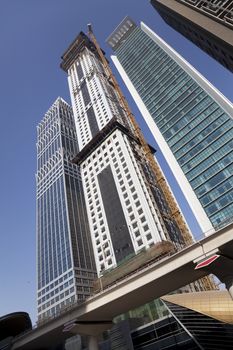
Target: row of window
(55,283)
(126,191)
(206,141)
(217,156)
(56,309)
(126,186)
(96,162)
(55,291)
(215,181)
(217,192)
(51,117)
(141,230)
(46,180)
(56,299)
(53,146)
(212,147)
(196,126)
(213,170)
(99,109)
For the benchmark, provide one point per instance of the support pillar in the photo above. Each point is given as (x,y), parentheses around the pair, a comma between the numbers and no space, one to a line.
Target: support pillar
(92,342)
(91,329)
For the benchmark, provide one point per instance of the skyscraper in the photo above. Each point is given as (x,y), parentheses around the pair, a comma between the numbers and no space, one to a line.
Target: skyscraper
(65,261)
(127,209)
(208,24)
(190,119)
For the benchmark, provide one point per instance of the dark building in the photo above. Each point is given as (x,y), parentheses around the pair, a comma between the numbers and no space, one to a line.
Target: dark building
(208,24)
(12,325)
(190,321)
(206,316)
(164,333)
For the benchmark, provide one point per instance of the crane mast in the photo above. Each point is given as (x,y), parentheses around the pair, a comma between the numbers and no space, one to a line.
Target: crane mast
(207,282)
(175,211)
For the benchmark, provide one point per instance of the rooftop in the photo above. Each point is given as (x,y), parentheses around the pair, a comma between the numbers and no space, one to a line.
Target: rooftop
(14,324)
(121,32)
(74,50)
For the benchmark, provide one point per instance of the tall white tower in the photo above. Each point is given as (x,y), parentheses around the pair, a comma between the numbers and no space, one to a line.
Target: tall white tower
(126,207)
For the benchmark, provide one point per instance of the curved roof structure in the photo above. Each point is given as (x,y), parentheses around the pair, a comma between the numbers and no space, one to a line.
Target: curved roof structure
(14,324)
(215,304)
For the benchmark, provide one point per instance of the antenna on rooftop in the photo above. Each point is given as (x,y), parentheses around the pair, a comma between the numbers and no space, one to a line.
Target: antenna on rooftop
(89,26)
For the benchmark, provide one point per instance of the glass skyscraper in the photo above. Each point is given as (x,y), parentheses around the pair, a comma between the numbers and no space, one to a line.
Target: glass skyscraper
(65,261)
(190,120)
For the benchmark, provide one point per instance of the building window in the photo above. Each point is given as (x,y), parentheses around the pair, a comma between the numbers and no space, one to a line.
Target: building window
(143,219)
(148,236)
(139,242)
(135,225)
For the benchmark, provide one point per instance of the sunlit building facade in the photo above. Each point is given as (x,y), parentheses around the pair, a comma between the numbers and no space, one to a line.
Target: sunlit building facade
(126,208)
(191,120)
(65,261)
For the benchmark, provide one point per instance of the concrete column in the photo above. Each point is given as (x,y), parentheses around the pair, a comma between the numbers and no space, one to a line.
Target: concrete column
(92,343)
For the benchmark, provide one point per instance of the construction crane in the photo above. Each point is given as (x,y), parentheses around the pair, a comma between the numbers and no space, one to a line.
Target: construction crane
(175,211)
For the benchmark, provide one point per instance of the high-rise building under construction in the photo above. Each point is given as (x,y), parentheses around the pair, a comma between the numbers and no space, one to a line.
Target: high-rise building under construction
(128,207)
(128,202)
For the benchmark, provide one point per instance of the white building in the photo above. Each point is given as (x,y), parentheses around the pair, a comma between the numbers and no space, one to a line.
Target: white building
(126,208)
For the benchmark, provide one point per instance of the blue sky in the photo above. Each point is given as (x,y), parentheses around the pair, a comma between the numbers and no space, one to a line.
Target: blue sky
(33,36)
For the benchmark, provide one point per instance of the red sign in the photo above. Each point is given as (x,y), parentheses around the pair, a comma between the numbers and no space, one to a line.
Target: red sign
(207,261)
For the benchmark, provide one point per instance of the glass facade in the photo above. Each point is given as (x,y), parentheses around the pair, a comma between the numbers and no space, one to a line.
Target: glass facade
(165,333)
(196,128)
(184,321)
(208,333)
(64,253)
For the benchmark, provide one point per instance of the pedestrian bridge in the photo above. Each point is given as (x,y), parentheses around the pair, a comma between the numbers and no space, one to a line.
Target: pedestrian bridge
(154,281)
